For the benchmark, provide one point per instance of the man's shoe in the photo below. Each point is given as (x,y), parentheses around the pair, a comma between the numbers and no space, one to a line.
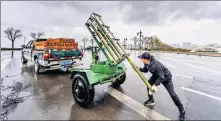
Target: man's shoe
(182,116)
(149,103)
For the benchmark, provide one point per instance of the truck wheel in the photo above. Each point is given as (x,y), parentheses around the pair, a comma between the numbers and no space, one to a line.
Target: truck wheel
(36,66)
(66,70)
(120,81)
(83,93)
(23,60)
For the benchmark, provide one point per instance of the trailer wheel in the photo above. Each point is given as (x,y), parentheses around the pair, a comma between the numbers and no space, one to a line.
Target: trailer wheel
(120,81)
(83,93)
(36,67)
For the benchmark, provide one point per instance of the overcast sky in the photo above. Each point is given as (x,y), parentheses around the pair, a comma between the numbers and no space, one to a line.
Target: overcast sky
(172,21)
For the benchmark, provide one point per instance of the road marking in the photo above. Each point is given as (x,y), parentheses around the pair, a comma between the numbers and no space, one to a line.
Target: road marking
(191,65)
(201,93)
(189,77)
(5,62)
(136,106)
(197,61)
(205,73)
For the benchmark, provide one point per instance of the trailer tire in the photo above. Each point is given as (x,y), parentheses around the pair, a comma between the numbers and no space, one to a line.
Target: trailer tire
(82,91)
(120,81)
(36,66)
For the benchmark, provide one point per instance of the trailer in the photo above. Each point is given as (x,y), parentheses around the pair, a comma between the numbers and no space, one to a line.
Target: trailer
(100,72)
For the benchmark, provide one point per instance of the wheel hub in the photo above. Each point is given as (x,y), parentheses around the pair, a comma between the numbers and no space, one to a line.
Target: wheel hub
(79,91)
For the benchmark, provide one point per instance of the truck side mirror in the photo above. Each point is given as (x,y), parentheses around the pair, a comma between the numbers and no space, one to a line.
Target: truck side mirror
(23,46)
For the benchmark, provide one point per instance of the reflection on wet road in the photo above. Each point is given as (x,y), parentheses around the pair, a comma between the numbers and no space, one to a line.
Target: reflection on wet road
(51,94)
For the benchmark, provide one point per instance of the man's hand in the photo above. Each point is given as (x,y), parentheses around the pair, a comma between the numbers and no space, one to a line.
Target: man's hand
(153,90)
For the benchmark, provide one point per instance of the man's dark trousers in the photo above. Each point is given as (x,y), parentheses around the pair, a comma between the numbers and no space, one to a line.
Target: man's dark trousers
(168,84)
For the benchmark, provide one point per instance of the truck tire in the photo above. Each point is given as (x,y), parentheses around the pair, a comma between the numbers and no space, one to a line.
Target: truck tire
(120,81)
(23,60)
(82,91)
(66,70)
(36,67)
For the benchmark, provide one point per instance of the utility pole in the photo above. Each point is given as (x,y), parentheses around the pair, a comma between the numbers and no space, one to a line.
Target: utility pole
(141,36)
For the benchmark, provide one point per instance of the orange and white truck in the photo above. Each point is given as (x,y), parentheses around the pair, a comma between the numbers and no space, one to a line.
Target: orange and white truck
(52,54)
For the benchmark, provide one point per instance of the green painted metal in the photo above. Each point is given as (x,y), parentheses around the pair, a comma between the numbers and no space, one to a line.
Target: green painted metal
(108,38)
(98,43)
(103,67)
(110,43)
(108,48)
(100,78)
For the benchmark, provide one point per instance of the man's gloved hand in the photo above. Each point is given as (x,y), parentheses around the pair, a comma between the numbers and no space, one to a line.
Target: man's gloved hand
(153,90)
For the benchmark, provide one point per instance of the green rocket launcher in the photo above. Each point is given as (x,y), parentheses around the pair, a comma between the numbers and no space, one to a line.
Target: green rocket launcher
(115,53)
(111,70)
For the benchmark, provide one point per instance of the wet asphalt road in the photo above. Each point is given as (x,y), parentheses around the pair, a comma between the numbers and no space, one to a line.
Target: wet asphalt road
(50,96)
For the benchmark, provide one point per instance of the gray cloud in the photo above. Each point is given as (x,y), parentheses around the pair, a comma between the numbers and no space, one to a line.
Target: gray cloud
(67,18)
(157,12)
(80,10)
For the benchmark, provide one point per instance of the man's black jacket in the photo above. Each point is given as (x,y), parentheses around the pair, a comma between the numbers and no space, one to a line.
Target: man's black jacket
(158,70)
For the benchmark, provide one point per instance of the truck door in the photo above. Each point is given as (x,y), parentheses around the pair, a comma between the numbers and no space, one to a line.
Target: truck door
(31,50)
(27,51)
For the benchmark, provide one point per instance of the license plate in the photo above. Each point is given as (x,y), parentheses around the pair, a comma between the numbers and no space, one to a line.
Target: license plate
(66,63)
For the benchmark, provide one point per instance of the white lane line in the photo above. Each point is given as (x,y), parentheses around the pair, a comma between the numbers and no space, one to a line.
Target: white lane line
(201,93)
(196,61)
(191,65)
(205,73)
(4,63)
(189,77)
(136,106)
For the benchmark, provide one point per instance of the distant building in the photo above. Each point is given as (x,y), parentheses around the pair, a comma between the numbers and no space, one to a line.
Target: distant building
(194,46)
(187,45)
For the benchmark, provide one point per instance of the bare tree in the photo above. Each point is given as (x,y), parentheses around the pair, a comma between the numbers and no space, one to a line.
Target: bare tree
(84,40)
(152,42)
(92,41)
(146,41)
(135,40)
(36,35)
(12,34)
